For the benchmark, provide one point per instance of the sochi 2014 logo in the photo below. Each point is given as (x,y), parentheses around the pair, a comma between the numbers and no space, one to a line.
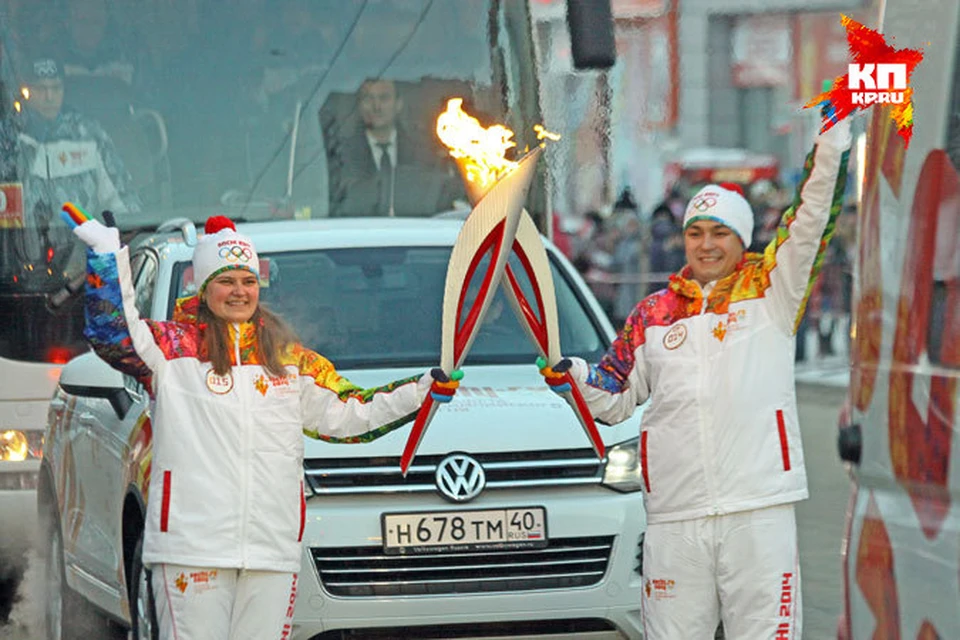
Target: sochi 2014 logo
(878,75)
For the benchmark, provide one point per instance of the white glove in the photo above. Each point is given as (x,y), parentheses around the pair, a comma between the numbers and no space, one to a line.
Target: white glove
(100,238)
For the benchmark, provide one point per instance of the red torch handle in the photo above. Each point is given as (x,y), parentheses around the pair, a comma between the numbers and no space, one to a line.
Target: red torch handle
(586,418)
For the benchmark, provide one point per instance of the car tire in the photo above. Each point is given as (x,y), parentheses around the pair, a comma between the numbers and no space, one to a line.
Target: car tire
(143,611)
(66,615)
(60,613)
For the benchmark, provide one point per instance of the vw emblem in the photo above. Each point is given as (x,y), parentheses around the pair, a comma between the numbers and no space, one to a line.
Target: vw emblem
(460,478)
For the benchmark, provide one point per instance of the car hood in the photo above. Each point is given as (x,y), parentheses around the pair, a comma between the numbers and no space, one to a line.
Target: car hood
(497,408)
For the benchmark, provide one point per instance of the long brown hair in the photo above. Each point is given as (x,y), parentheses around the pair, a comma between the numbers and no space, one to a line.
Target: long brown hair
(273,335)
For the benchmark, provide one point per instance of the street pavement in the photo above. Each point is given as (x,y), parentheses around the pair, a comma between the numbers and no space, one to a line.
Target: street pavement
(832,371)
(820,519)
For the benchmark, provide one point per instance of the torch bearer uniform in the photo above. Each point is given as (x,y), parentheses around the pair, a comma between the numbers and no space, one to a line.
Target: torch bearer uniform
(226,508)
(720,440)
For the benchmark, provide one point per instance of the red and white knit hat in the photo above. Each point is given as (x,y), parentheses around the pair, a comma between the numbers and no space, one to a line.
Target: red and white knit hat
(221,248)
(723,203)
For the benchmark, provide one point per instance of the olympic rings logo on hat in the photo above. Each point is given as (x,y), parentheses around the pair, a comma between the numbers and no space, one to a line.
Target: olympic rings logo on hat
(45,68)
(704,202)
(235,253)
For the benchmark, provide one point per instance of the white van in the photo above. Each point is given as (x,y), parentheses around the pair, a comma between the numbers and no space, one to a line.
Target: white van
(901,551)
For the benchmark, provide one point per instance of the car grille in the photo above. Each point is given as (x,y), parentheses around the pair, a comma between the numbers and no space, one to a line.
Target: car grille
(367,571)
(513,470)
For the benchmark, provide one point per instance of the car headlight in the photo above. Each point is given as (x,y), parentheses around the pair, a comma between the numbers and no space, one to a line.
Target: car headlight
(622,471)
(17,446)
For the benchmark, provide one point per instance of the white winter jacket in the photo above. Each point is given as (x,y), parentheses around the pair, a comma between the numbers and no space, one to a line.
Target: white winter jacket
(226,478)
(721,433)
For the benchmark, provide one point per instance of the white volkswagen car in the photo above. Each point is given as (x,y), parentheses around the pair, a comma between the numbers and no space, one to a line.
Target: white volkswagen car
(426,555)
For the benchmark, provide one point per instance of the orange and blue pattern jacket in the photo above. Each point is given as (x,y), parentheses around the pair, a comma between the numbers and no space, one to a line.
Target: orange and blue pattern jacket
(721,433)
(226,482)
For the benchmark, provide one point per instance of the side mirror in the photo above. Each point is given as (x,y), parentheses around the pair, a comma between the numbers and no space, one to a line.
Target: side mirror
(850,443)
(591,34)
(89,376)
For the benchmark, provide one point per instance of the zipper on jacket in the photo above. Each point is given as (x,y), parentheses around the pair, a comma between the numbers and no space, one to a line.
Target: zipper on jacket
(244,453)
(706,437)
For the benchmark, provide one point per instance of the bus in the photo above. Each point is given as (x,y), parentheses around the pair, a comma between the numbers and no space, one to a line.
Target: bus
(901,549)
(168,111)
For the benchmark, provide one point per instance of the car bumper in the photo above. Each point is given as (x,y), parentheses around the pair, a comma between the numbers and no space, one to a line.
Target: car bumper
(607,608)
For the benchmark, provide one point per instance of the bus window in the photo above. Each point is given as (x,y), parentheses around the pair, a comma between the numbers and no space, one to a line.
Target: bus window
(162,109)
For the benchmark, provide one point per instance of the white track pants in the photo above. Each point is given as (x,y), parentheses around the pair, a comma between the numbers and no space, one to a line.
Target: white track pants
(195,603)
(742,568)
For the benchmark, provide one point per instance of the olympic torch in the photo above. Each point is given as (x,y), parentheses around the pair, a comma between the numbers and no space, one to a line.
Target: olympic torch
(498,225)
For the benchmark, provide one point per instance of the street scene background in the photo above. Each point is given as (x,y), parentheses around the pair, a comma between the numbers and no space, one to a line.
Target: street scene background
(703,90)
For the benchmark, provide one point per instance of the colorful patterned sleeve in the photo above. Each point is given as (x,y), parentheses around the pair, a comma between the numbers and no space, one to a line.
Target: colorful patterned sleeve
(793,259)
(113,326)
(336,410)
(615,386)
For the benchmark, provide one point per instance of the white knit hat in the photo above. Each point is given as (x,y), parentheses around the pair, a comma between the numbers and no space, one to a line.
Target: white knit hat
(723,203)
(222,248)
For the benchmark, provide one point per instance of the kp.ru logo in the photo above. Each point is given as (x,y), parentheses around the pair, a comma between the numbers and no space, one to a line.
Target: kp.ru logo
(864,80)
(878,75)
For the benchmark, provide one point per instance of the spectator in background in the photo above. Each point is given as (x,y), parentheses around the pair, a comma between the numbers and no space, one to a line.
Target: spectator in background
(766,201)
(562,237)
(666,246)
(596,262)
(676,203)
(847,235)
(626,257)
(830,300)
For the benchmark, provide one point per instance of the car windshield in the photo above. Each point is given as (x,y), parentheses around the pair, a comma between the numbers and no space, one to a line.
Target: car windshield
(375,307)
(255,109)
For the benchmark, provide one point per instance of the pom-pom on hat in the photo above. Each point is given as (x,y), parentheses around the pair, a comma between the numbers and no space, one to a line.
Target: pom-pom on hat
(221,248)
(723,203)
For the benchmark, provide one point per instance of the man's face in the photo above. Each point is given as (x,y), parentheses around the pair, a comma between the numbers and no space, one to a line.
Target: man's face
(713,250)
(379,104)
(46,97)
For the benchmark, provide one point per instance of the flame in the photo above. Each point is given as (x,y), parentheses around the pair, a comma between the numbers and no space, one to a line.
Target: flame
(480,151)
(543,133)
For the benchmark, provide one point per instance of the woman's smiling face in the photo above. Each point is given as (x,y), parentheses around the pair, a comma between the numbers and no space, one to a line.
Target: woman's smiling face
(233,295)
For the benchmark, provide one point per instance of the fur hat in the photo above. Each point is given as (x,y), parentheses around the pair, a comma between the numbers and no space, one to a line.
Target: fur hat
(723,203)
(221,248)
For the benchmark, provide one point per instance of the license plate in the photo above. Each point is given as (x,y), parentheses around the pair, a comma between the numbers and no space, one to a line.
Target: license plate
(466,530)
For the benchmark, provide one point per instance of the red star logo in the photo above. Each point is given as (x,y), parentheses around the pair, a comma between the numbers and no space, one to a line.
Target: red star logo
(869,47)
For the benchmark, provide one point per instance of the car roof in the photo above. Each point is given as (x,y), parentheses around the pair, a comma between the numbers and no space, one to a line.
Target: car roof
(330,233)
(291,235)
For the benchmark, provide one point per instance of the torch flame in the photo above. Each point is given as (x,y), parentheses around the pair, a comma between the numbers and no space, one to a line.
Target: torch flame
(480,152)
(543,133)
